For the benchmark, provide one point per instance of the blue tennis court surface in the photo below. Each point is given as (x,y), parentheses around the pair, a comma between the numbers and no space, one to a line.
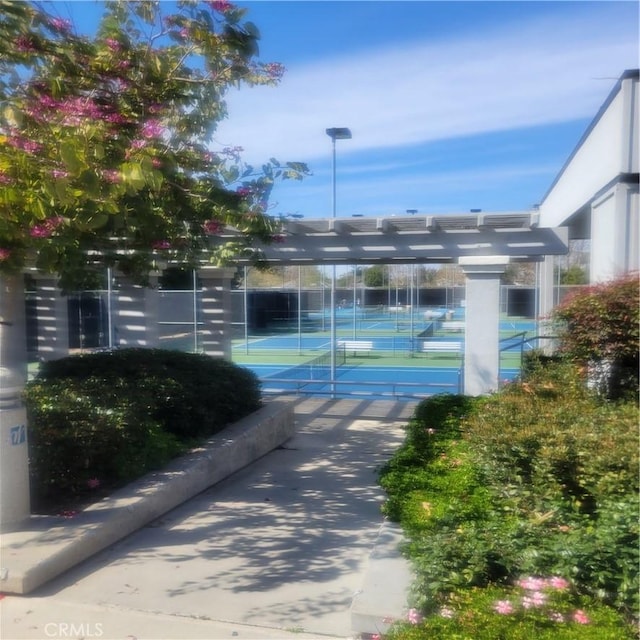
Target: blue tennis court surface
(366,381)
(299,361)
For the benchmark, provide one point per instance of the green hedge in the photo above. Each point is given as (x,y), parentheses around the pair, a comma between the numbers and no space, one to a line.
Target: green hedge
(99,420)
(540,479)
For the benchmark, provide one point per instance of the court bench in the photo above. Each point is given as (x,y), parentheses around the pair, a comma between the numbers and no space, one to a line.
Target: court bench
(453,325)
(441,346)
(357,346)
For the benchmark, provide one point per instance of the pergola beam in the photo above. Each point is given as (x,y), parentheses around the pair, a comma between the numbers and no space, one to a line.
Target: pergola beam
(414,239)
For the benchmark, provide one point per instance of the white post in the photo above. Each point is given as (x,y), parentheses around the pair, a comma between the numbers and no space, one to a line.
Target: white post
(15,504)
(482,327)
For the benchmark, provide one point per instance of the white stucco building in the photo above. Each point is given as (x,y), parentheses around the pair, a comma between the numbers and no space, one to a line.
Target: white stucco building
(596,195)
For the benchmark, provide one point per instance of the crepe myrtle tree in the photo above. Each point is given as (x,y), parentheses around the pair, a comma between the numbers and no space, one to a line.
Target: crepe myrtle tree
(107,148)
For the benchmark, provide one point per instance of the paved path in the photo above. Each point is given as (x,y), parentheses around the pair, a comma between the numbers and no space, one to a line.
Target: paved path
(277,550)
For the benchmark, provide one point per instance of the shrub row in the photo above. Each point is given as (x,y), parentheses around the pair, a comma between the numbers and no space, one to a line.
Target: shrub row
(538,480)
(102,419)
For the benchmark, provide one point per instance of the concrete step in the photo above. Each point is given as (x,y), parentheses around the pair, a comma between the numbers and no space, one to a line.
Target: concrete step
(383,596)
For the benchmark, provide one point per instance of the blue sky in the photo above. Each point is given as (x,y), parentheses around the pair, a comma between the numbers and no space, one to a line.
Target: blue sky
(452,105)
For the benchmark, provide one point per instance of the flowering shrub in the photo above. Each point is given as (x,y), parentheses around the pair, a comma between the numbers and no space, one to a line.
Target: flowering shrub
(599,326)
(541,478)
(107,154)
(536,607)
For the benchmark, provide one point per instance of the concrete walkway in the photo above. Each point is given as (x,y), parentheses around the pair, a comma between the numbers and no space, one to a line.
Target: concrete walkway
(292,546)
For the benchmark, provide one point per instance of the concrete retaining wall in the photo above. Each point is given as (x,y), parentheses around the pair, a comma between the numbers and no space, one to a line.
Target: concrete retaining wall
(55,546)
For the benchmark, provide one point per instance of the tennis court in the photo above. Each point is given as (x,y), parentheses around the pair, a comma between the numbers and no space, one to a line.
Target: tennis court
(378,355)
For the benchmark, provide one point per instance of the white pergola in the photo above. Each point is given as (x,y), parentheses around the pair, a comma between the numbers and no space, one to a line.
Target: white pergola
(481,243)
(413,239)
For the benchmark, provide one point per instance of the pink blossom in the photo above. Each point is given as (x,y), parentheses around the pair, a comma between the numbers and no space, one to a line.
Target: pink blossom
(558,583)
(212,227)
(152,129)
(274,70)
(220,5)
(243,192)
(93,483)
(156,162)
(580,617)
(46,229)
(59,173)
(161,244)
(503,607)
(556,616)
(446,612)
(414,616)
(60,25)
(25,44)
(113,44)
(115,118)
(19,142)
(5,254)
(5,179)
(112,175)
(532,584)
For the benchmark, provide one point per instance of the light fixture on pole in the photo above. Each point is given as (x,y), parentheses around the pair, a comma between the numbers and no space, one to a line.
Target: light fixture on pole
(335,133)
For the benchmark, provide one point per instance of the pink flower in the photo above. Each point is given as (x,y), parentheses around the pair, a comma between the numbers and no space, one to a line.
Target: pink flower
(93,483)
(558,583)
(414,616)
(446,612)
(580,617)
(5,179)
(161,244)
(113,44)
(212,227)
(503,607)
(152,129)
(243,192)
(46,229)
(4,254)
(59,173)
(531,584)
(111,175)
(60,25)
(25,44)
(274,70)
(221,6)
(556,616)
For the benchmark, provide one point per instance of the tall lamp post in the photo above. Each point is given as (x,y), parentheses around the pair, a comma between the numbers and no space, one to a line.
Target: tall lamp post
(335,133)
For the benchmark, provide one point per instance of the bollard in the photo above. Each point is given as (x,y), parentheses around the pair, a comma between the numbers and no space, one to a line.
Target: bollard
(15,504)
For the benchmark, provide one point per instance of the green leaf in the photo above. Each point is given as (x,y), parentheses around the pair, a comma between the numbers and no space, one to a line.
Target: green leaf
(70,157)
(133,175)
(12,116)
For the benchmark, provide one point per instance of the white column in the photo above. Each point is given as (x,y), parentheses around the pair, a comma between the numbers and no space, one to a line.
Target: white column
(482,332)
(215,337)
(14,459)
(136,315)
(52,318)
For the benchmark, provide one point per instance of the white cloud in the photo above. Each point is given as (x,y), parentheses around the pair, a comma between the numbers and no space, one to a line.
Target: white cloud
(515,76)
